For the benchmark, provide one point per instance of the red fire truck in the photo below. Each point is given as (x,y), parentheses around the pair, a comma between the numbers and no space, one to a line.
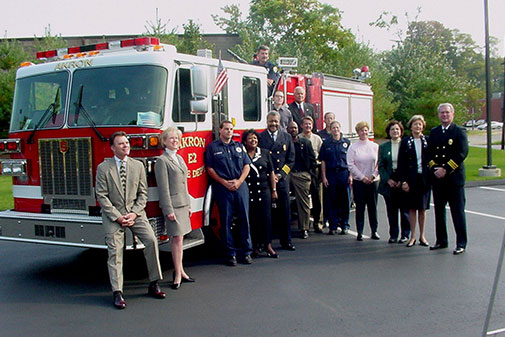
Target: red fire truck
(66,107)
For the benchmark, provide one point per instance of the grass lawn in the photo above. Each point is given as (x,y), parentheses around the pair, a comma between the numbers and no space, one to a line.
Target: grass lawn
(477,157)
(6,201)
(475,160)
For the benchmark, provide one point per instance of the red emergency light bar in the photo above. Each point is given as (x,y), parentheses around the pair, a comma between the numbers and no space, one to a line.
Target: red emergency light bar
(141,41)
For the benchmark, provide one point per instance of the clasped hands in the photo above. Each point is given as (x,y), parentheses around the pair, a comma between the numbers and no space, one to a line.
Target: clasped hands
(127,220)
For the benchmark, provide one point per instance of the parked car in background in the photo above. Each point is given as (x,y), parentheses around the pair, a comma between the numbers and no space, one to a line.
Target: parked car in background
(474,123)
(494,125)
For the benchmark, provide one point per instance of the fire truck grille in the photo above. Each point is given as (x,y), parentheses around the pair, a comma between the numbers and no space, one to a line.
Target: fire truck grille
(66,177)
(158,224)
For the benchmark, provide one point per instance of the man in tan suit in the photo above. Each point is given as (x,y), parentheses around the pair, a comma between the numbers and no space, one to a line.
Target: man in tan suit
(121,190)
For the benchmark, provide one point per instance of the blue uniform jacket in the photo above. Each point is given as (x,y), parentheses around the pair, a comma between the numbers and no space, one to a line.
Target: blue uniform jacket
(228,160)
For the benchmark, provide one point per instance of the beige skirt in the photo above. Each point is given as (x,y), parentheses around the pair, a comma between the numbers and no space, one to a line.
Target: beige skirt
(182,224)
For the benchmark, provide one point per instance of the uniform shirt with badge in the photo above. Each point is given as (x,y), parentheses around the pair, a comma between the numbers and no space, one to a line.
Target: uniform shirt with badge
(281,150)
(228,160)
(448,149)
(334,153)
(273,71)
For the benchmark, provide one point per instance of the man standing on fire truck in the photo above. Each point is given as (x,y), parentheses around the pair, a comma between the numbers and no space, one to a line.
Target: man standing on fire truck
(228,165)
(121,191)
(273,72)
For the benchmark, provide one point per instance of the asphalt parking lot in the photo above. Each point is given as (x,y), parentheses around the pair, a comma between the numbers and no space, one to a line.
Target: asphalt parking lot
(330,286)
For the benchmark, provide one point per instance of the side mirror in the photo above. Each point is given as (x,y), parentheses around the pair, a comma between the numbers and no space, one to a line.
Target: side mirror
(199,107)
(199,82)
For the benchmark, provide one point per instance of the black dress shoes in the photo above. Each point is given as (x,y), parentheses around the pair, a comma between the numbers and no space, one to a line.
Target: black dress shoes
(305,234)
(289,246)
(344,231)
(375,236)
(155,291)
(438,246)
(403,239)
(359,237)
(119,301)
(392,240)
(458,250)
(231,261)
(247,259)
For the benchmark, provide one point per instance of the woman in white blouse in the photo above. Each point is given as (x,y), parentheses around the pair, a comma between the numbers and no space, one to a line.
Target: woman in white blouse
(362,158)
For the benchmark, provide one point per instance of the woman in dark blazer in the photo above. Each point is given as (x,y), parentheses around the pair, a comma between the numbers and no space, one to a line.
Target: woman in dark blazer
(413,170)
(262,190)
(171,179)
(390,185)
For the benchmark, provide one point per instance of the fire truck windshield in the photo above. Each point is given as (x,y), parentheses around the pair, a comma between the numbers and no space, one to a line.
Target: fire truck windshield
(34,97)
(125,95)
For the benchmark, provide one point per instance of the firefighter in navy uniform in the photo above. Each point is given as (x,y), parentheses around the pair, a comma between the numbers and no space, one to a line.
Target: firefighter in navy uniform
(273,72)
(448,148)
(228,165)
(282,151)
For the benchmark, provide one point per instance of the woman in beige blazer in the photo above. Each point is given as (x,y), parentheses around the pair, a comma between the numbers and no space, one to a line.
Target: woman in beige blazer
(171,178)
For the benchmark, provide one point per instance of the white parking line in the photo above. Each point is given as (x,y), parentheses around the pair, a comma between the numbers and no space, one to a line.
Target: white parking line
(493,189)
(478,213)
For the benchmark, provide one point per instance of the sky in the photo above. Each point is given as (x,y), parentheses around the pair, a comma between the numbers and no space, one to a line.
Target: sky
(110,17)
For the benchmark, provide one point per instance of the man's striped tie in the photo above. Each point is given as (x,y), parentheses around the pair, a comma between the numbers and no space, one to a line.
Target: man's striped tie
(122,174)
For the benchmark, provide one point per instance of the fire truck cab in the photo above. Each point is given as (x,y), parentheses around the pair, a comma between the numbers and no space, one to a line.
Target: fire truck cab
(66,108)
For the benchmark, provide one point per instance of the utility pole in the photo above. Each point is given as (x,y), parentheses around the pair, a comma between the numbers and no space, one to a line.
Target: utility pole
(489,169)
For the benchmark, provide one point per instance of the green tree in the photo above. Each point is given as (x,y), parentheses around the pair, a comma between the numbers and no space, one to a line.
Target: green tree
(475,101)
(420,80)
(49,41)
(306,29)
(190,41)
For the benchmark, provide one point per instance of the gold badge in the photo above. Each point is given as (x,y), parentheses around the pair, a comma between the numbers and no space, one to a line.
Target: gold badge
(284,147)
(450,141)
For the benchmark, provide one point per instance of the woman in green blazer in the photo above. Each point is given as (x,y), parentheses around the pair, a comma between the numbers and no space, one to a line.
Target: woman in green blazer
(390,186)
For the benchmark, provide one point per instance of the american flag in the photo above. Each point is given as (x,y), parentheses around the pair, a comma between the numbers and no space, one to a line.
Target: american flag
(221,78)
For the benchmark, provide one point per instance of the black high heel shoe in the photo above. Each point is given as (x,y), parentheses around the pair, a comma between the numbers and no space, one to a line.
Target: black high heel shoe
(183,279)
(174,285)
(423,243)
(187,280)
(411,243)
(273,255)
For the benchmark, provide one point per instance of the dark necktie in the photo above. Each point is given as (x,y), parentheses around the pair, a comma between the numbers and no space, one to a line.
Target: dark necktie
(122,174)
(301,110)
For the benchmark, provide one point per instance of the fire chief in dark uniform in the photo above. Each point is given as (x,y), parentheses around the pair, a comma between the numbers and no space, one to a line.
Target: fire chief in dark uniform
(228,165)
(448,148)
(282,151)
